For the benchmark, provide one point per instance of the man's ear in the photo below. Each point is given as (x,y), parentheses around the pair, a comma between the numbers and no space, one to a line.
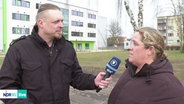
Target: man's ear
(40,23)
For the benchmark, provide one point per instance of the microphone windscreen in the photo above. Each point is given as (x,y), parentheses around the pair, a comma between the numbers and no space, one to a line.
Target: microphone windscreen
(113,65)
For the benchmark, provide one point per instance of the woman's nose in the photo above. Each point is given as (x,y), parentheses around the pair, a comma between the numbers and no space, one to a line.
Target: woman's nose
(129,47)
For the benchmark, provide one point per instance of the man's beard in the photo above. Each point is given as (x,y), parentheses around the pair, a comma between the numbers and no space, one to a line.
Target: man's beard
(59,35)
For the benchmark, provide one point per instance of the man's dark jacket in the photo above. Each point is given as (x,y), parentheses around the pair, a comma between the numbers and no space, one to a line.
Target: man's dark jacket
(154,84)
(46,73)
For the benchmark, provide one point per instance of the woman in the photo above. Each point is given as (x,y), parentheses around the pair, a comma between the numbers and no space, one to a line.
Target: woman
(148,78)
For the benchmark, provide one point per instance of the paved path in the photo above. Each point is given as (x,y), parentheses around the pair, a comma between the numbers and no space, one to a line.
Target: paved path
(90,96)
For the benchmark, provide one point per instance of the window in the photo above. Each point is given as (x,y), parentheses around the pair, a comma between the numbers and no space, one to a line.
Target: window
(79,46)
(178,34)
(13,2)
(26,4)
(170,27)
(170,34)
(23,17)
(13,30)
(178,41)
(80,24)
(37,5)
(74,12)
(92,16)
(21,3)
(92,35)
(16,16)
(87,46)
(78,34)
(65,13)
(90,25)
(80,14)
(19,30)
(27,18)
(77,23)
(170,21)
(77,13)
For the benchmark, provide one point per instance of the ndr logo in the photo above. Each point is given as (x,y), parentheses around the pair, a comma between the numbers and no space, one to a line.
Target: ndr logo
(6,94)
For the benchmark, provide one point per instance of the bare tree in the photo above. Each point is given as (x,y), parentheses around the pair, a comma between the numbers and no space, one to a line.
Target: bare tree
(115,31)
(180,23)
(180,19)
(140,14)
(130,14)
(114,28)
(119,10)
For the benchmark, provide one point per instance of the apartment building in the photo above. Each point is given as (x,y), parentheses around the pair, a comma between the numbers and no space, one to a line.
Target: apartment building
(167,25)
(1,25)
(80,21)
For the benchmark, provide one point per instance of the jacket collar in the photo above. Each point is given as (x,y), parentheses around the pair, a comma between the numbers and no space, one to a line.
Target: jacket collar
(59,43)
(158,66)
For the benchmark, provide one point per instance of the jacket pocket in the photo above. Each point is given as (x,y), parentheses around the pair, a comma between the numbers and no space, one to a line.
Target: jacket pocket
(32,75)
(67,67)
(67,62)
(31,66)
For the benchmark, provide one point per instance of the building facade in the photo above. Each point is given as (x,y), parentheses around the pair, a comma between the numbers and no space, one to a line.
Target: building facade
(80,21)
(1,26)
(167,25)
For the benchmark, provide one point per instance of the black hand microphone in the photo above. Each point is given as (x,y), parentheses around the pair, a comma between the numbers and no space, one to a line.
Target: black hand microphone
(110,69)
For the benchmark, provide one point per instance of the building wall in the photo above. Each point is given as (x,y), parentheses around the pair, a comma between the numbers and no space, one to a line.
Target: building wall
(172,33)
(1,25)
(167,25)
(82,42)
(81,45)
(4,24)
(18,19)
(12,26)
(102,32)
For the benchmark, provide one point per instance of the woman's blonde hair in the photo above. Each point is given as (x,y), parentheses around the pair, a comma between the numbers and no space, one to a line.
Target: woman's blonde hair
(152,37)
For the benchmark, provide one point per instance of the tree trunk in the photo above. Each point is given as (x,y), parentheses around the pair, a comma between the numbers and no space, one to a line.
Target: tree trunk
(180,24)
(181,28)
(129,11)
(140,14)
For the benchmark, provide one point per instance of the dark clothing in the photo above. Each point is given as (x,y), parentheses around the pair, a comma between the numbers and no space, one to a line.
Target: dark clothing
(154,84)
(46,73)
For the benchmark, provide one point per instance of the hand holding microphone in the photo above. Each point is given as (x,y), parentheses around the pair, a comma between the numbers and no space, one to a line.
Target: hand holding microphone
(110,69)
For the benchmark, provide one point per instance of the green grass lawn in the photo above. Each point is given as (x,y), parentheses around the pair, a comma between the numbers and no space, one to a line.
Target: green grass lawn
(100,59)
(1,58)
(92,62)
(96,61)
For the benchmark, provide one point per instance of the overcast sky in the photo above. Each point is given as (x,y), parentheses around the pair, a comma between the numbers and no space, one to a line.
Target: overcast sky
(107,8)
(152,9)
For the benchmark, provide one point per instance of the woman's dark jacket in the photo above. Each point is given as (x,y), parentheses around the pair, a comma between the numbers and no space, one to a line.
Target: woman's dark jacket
(46,73)
(154,84)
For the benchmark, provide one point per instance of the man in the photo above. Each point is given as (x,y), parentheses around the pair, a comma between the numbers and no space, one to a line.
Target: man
(149,77)
(45,64)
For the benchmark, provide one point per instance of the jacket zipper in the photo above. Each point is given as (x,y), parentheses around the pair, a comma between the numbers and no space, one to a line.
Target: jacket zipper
(50,78)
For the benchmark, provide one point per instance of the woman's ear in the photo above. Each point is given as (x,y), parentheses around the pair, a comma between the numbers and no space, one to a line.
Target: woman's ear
(151,51)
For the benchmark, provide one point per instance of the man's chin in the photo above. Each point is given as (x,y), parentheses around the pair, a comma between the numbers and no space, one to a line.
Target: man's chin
(58,36)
